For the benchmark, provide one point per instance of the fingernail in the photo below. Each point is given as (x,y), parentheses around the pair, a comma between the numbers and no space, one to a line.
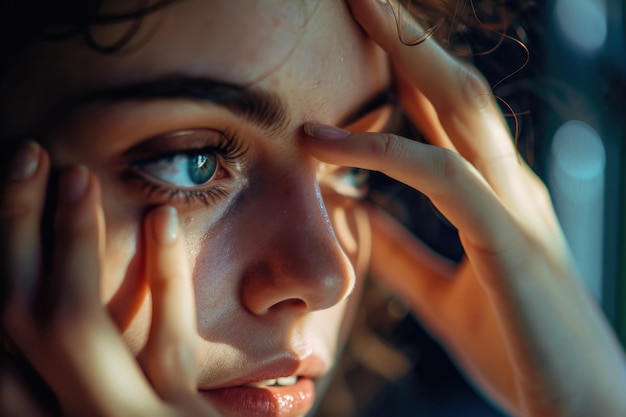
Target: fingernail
(166,225)
(73,184)
(324,131)
(25,161)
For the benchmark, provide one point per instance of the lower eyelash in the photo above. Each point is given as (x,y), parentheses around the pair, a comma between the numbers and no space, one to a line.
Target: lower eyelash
(207,196)
(230,150)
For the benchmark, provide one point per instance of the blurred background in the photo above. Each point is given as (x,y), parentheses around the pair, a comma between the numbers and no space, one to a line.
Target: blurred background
(572,131)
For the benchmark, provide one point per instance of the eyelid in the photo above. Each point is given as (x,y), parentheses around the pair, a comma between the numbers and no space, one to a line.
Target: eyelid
(227,146)
(175,142)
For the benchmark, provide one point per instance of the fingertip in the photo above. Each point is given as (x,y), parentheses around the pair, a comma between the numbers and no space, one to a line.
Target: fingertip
(325,132)
(78,207)
(30,163)
(25,161)
(164,225)
(22,201)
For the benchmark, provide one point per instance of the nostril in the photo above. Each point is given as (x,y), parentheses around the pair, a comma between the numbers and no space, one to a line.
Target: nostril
(278,285)
(292,303)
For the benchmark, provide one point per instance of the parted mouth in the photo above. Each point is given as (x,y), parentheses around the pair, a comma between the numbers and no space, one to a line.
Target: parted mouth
(281,396)
(283,372)
(285,381)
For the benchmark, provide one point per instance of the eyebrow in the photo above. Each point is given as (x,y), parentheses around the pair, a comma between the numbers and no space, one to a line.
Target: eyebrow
(261,107)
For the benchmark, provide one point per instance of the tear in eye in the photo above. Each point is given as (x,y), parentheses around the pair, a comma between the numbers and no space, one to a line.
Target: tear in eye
(183,170)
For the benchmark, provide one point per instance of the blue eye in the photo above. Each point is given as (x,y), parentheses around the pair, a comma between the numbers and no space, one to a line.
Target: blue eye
(346,181)
(350,182)
(201,168)
(184,170)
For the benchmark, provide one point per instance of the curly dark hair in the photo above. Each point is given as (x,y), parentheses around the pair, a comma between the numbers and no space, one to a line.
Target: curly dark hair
(28,21)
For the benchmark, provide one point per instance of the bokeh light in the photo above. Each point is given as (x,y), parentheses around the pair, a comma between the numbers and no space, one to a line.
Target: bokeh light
(583,23)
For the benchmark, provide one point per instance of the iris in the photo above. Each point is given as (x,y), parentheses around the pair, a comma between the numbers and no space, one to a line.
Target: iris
(201,167)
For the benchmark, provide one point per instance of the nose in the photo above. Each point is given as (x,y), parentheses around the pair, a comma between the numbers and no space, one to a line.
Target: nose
(301,266)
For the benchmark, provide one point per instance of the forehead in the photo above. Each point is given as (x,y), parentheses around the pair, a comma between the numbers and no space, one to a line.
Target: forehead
(295,47)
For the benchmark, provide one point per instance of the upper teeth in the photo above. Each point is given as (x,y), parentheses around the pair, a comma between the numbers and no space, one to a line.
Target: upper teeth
(284,381)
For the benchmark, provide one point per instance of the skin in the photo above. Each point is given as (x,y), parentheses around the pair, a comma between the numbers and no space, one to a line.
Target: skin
(513,314)
(249,277)
(517,294)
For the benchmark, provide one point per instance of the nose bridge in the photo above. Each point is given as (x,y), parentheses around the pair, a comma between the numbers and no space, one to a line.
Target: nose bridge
(301,265)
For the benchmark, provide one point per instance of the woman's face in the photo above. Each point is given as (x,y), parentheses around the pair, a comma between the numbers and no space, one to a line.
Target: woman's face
(163,122)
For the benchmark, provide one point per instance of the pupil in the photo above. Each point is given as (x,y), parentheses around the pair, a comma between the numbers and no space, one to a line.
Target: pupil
(201,168)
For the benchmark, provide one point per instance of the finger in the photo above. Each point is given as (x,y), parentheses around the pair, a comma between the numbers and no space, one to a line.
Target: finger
(462,99)
(408,267)
(22,207)
(422,113)
(453,185)
(448,300)
(92,371)
(74,281)
(168,357)
(423,64)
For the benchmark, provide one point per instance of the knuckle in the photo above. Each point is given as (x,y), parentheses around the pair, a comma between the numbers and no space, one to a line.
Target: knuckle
(452,166)
(16,211)
(474,87)
(166,356)
(469,91)
(75,225)
(392,146)
(160,283)
(467,101)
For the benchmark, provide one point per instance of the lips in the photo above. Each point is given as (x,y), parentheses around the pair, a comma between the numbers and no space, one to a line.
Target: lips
(284,388)
(269,401)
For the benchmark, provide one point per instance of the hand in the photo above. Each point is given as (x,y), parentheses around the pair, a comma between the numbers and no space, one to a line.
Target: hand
(22,393)
(518,283)
(55,318)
